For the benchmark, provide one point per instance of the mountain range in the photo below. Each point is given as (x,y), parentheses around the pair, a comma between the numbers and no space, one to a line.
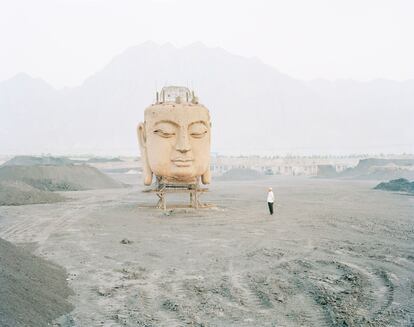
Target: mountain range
(255,109)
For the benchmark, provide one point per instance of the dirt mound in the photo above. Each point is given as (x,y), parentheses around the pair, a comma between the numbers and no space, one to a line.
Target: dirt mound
(18,193)
(326,171)
(34,160)
(376,169)
(240,174)
(59,178)
(370,162)
(378,173)
(33,291)
(397,185)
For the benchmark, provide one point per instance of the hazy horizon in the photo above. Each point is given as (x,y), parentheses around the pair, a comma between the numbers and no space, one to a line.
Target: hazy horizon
(297,117)
(63,42)
(298,77)
(168,44)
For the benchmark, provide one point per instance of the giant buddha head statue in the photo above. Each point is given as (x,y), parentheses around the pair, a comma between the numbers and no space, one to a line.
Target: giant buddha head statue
(175,138)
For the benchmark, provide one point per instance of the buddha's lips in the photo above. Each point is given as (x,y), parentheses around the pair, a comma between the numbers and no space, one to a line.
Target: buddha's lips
(182,162)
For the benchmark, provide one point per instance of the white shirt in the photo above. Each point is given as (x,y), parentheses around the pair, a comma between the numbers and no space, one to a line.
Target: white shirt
(270,197)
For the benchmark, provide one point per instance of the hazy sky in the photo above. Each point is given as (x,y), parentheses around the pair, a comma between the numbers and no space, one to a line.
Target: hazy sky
(64,41)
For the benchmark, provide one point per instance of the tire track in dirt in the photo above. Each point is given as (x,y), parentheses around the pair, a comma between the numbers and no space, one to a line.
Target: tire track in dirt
(314,313)
(38,227)
(148,300)
(386,298)
(29,230)
(380,291)
(248,298)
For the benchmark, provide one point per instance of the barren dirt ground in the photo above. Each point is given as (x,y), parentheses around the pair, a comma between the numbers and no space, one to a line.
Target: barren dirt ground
(336,253)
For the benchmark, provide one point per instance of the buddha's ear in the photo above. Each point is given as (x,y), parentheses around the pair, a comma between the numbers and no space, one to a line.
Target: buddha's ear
(142,140)
(206,177)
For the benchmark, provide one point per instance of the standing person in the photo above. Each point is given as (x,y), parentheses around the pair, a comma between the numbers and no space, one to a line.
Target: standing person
(270,200)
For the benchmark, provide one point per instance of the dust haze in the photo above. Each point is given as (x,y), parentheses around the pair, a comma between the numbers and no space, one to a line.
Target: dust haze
(313,99)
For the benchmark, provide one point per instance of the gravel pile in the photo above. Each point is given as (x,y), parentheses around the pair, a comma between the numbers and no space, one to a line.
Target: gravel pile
(35,160)
(240,174)
(397,185)
(18,193)
(59,178)
(33,291)
(34,184)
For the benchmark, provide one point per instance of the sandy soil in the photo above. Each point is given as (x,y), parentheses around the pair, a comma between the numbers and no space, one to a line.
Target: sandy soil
(336,253)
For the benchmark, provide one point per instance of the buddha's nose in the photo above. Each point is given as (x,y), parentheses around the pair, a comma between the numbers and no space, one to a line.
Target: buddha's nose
(183,143)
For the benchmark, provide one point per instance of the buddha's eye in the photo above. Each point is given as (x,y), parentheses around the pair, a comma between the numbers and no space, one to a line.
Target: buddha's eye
(165,129)
(198,130)
(198,135)
(164,133)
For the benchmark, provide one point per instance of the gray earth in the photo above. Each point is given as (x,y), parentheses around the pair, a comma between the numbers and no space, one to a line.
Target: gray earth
(33,291)
(58,178)
(19,193)
(336,253)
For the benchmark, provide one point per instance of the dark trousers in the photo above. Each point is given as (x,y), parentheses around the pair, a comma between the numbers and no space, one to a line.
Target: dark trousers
(270,204)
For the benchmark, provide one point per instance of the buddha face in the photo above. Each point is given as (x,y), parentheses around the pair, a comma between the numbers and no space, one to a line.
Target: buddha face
(175,143)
